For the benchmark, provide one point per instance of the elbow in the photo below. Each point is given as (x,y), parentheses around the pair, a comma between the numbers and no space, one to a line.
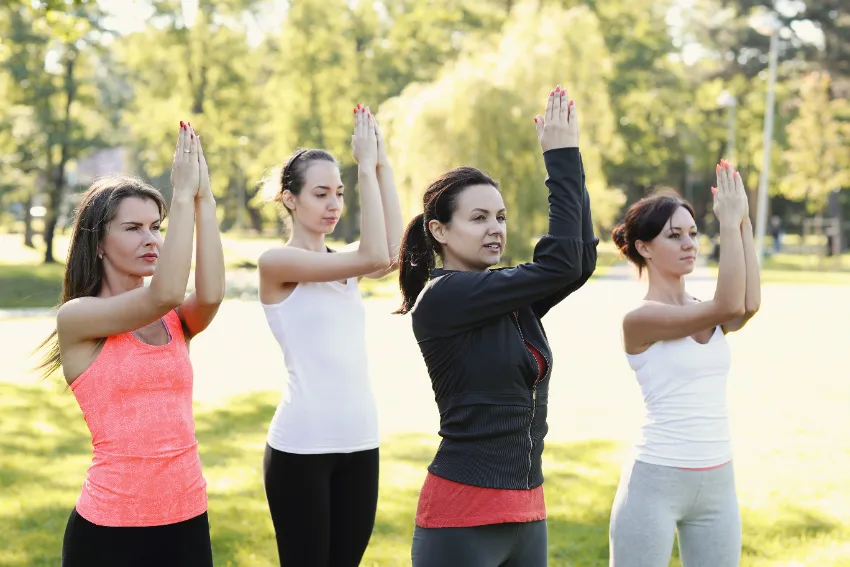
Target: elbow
(166,300)
(734,310)
(378,259)
(751,309)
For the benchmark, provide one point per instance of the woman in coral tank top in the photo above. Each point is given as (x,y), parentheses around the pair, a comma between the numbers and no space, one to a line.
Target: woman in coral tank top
(123,348)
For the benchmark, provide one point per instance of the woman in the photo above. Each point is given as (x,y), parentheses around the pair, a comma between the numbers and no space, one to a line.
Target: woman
(682,477)
(487,355)
(124,350)
(321,460)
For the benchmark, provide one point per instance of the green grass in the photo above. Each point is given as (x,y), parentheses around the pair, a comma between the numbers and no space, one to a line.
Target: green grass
(788,400)
(46,450)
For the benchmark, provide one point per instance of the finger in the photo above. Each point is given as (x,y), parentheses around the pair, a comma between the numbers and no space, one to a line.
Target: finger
(556,110)
(550,105)
(370,123)
(565,106)
(739,184)
(719,178)
(539,124)
(714,190)
(572,115)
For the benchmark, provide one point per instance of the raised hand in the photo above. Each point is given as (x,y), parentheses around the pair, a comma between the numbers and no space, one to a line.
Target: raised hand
(185,172)
(559,128)
(383,160)
(205,189)
(364,142)
(730,199)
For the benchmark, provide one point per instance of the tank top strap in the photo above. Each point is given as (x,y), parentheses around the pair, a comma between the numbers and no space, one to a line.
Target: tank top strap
(174,325)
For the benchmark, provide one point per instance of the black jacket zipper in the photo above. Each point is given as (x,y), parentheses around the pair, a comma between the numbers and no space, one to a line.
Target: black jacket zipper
(537,380)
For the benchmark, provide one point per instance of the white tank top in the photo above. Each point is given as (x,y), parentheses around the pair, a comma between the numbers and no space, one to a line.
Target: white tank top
(684,391)
(328,405)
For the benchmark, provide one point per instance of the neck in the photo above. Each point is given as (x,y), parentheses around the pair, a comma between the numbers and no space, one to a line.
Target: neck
(665,288)
(307,239)
(115,284)
(457,265)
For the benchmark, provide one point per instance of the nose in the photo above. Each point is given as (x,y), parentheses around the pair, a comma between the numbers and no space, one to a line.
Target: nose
(334,204)
(495,228)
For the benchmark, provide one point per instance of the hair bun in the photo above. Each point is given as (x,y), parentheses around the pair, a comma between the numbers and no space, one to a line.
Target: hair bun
(619,236)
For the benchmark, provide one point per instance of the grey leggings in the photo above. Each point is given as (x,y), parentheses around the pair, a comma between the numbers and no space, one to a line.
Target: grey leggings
(496,545)
(653,502)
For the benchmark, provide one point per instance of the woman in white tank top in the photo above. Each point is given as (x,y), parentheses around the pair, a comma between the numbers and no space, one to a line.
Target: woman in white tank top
(321,462)
(681,479)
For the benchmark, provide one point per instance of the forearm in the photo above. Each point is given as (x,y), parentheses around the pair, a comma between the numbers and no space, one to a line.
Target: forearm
(373,231)
(752,295)
(209,256)
(563,167)
(587,233)
(169,281)
(392,210)
(731,279)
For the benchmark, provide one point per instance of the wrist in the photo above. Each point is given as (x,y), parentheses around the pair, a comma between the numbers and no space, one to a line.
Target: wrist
(182,199)
(367,169)
(203,199)
(730,225)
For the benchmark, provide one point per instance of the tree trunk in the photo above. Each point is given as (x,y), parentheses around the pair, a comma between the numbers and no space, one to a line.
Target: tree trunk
(28,222)
(57,190)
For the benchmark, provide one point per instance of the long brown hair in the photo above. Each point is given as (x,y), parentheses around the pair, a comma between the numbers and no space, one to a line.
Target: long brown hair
(83,269)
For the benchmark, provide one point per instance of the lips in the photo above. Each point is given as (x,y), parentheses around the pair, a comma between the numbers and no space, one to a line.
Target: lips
(493,247)
(150,257)
(331,219)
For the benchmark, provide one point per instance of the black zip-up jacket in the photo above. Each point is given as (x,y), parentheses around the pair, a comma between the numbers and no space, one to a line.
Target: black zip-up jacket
(470,327)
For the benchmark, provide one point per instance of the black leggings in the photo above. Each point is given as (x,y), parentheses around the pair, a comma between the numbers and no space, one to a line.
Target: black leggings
(184,544)
(322,506)
(494,545)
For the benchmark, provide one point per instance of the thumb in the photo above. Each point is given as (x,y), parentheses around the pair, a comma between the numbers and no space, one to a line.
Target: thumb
(539,124)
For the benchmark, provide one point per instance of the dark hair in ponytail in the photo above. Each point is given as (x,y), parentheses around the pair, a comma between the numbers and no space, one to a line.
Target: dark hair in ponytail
(419,248)
(644,221)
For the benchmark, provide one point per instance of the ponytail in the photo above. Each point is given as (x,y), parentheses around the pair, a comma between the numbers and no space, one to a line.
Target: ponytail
(416,260)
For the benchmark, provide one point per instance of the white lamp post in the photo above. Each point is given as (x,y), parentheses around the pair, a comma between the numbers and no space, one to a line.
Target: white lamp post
(767,24)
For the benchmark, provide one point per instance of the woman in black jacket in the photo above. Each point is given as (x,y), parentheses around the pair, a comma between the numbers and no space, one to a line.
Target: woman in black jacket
(480,334)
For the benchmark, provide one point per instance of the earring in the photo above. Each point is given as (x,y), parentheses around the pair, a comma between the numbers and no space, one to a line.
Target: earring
(100,255)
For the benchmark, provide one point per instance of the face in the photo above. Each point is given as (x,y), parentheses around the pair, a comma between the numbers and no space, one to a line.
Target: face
(133,239)
(476,236)
(675,248)
(319,204)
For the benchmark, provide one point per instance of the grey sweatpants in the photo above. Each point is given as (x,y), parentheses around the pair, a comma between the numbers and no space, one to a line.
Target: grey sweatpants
(654,502)
(495,545)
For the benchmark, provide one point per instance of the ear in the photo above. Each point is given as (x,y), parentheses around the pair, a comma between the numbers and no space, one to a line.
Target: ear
(643,249)
(437,229)
(288,200)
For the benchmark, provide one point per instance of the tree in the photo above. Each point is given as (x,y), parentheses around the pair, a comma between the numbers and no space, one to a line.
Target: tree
(479,113)
(817,158)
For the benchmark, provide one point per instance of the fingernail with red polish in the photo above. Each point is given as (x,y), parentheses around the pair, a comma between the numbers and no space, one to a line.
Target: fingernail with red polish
(557,89)
(714,190)
(552,93)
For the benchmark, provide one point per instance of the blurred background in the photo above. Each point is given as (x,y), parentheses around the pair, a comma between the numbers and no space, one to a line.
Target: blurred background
(665,89)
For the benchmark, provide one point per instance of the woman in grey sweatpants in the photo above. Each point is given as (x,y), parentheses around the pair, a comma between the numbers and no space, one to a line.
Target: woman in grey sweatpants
(682,478)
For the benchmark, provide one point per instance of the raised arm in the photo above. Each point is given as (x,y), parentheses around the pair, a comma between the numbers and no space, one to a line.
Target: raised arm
(289,264)
(588,259)
(659,322)
(464,299)
(88,318)
(197,310)
(752,294)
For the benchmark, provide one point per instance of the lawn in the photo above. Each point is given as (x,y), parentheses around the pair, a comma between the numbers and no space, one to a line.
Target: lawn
(788,403)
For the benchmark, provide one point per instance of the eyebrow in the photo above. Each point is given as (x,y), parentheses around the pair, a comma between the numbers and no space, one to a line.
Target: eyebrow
(134,223)
(328,188)
(480,210)
(672,228)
